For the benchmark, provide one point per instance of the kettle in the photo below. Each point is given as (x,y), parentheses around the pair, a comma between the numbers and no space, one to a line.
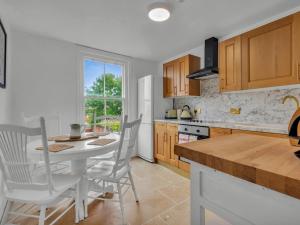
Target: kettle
(186,113)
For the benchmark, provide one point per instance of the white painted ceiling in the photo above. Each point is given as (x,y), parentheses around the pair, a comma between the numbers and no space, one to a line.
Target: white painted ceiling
(122,26)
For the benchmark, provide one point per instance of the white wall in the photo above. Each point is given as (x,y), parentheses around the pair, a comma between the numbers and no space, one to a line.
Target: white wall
(4,93)
(44,76)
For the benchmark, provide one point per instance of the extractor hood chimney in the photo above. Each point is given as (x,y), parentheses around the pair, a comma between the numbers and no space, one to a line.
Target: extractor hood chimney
(211,60)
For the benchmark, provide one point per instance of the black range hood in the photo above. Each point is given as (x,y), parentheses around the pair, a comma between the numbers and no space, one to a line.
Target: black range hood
(211,60)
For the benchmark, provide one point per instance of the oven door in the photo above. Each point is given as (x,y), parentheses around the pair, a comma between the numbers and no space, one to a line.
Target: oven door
(185,137)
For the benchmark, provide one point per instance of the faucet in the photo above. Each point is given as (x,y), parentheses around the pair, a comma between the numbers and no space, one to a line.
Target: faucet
(292,98)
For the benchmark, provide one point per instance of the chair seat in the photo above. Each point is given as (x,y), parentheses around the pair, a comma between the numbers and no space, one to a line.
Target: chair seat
(107,156)
(103,170)
(61,184)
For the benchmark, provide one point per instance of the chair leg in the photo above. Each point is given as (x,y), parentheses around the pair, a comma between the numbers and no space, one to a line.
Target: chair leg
(121,202)
(86,203)
(42,215)
(77,199)
(5,212)
(133,186)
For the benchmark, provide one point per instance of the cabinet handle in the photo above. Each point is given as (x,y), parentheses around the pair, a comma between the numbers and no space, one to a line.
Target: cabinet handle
(176,138)
(175,90)
(165,137)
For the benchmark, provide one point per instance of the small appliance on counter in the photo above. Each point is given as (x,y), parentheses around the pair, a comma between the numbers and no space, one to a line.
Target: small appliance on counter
(171,114)
(186,113)
(293,129)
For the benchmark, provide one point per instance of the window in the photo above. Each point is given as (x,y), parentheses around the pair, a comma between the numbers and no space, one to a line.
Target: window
(103,96)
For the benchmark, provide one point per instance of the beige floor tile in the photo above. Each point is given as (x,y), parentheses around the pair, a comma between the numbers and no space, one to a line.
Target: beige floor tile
(149,207)
(171,176)
(151,182)
(177,192)
(156,221)
(178,215)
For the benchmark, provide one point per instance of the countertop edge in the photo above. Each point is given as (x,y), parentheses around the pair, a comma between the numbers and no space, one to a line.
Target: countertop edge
(231,125)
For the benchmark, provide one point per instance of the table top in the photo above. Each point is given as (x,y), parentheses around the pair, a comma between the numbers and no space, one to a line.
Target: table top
(81,149)
(266,161)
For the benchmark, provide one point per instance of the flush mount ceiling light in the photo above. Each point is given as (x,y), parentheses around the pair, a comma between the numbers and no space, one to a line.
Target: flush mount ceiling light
(159,11)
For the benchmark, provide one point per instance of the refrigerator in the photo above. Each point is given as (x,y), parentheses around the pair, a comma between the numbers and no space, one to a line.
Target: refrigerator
(145,106)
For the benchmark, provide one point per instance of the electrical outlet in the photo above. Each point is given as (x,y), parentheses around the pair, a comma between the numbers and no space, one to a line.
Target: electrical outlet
(198,110)
(235,111)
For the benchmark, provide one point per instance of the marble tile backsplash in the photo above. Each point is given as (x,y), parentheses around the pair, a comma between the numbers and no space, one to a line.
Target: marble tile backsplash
(259,106)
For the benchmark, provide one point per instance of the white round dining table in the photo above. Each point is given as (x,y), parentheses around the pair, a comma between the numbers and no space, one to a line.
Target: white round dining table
(78,156)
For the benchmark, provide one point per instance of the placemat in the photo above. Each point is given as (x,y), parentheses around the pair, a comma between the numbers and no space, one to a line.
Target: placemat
(102,141)
(65,138)
(56,147)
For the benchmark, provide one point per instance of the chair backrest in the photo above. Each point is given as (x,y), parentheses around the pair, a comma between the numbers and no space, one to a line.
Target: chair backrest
(52,121)
(15,164)
(99,118)
(123,154)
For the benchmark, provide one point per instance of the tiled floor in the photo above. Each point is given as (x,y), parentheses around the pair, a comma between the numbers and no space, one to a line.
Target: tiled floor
(164,200)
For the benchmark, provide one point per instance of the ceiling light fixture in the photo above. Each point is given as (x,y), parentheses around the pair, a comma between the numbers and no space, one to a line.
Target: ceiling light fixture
(159,11)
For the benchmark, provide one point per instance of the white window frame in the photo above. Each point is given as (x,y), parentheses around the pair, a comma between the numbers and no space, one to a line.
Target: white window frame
(105,58)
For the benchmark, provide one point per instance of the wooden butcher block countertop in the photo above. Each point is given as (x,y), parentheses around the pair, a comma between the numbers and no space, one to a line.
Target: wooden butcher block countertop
(265,161)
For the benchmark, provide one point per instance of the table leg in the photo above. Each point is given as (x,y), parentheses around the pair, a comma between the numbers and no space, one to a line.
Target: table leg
(79,167)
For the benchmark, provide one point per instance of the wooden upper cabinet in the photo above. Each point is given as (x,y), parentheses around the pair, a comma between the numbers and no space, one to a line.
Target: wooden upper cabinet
(182,82)
(270,54)
(175,81)
(170,81)
(230,64)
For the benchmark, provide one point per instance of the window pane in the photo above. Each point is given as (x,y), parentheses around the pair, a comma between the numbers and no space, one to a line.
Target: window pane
(102,81)
(113,113)
(113,80)
(93,106)
(114,107)
(94,77)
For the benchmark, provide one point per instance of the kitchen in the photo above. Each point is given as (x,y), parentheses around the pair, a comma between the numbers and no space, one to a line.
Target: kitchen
(247,98)
(209,88)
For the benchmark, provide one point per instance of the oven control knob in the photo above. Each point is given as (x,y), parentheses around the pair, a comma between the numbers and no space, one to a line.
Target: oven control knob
(185,129)
(198,131)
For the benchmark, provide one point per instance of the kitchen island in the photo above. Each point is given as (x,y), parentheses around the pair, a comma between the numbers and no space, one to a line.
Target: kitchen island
(246,179)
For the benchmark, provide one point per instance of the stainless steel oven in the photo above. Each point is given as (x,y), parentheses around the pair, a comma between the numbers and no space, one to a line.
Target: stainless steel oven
(189,133)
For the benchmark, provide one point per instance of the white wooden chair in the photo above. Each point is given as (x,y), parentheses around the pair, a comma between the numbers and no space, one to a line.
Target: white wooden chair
(52,121)
(97,118)
(53,126)
(117,171)
(111,155)
(21,182)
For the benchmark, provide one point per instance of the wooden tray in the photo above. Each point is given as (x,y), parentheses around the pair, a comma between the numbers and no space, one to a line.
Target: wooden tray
(56,147)
(65,138)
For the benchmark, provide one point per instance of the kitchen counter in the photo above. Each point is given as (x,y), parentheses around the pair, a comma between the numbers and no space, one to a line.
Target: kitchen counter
(242,172)
(266,161)
(270,128)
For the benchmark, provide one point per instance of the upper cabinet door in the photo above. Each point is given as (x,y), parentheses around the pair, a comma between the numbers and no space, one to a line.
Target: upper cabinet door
(296,46)
(230,64)
(182,65)
(267,55)
(170,82)
(175,81)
